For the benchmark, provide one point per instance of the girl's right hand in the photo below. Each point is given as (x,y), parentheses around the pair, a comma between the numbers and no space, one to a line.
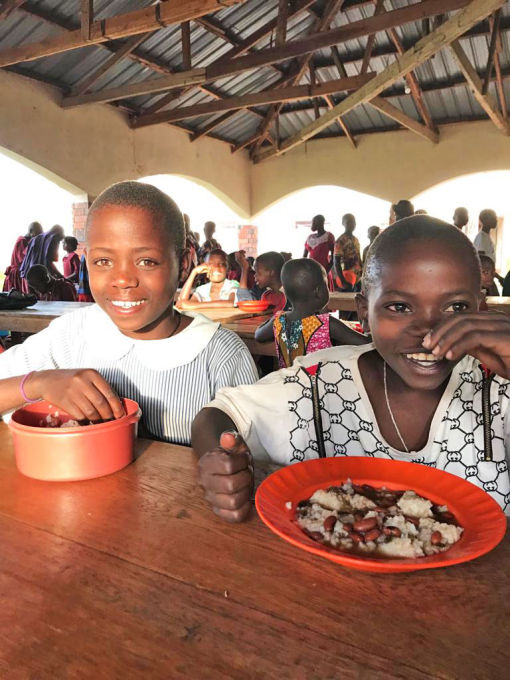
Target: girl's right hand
(226,475)
(201,269)
(82,393)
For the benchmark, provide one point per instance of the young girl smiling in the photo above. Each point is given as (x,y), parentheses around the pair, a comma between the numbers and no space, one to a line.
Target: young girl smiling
(132,343)
(432,388)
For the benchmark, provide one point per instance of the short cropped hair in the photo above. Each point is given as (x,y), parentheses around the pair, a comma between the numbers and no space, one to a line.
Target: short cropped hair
(488,218)
(486,261)
(391,243)
(403,209)
(271,260)
(220,252)
(147,197)
(301,276)
(71,241)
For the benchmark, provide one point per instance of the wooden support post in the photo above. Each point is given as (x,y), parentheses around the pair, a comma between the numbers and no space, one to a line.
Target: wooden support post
(379,7)
(281,26)
(186,45)
(87,17)
(384,106)
(492,50)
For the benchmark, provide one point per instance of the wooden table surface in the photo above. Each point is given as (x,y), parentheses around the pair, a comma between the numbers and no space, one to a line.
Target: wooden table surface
(132,576)
(35,318)
(345,302)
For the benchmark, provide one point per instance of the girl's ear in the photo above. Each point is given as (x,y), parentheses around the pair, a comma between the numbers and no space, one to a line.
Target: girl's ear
(184,265)
(362,307)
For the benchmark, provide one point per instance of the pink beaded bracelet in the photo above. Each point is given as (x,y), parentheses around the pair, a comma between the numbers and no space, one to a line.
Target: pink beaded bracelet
(26,399)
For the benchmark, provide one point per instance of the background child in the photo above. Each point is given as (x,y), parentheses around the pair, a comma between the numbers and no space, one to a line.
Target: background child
(84,292)
(49,288)
(488,274)
(347,256)
(268,283)
(305,328)
(12,273)
(132,343)
(42,249)
(71,261)
(218,292)
(487,221)
(414,394)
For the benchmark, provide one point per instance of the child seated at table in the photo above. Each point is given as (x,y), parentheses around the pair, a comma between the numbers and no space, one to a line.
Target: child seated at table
(218,292)
(71,261)
(132,343)
(488,275)
(268,283)
(433,387)
(306,327)
(49,288)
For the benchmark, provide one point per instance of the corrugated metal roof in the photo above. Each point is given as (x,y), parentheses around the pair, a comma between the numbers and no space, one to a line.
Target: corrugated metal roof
(446,94)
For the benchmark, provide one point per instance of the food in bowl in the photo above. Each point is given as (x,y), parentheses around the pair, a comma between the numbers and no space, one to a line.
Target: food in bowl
(368,520)
(56,420)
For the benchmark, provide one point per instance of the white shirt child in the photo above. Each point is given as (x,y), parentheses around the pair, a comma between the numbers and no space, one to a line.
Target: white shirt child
(485,245)
(203,293)
(171,379)
(276,418)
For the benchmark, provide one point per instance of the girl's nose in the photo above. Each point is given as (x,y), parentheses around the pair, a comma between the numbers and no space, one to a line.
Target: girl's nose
(426,321)
(125,277)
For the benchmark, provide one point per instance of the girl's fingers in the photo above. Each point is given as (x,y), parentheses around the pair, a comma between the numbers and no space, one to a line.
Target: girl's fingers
(230,501)
(234,516)
(441,340)
(113,401)
(72,408)
(228,484)
(232,442)
(85,402)
(219,462)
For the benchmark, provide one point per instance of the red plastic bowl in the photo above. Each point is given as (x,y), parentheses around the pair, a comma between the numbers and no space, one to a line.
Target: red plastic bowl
(253,305)
(74,453)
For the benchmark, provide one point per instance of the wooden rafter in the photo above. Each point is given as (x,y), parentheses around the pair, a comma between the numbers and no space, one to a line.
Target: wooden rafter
(121,26)
(320,24)
(385,107)
(379,7)
(186,45)
(423,50)
(266,57)
(343,74)
(121,53)
(9,6)
(496,18)
(499,76)
(486,101)
(281,25)
(283,94)
(87,18)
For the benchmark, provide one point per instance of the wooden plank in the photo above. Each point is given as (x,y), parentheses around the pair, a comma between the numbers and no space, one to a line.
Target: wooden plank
(379,7)
(9,6)
(257,99)
(418,54)
(496,19)
(393,112)
(87,18)
(311,43)
(122,26)
(124,51)
(186,45)
(281,23)
(486,101)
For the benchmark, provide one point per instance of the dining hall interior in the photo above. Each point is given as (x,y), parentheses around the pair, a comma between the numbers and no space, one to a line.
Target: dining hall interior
(254,338)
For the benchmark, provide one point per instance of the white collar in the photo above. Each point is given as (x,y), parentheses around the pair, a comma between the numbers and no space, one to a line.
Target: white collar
(103,338)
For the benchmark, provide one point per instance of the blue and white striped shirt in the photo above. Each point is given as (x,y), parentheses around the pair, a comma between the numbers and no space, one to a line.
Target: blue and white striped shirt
(171,379)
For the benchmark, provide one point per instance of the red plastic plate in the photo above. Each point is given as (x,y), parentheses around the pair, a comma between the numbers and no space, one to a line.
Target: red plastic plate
(483,520)
(253,305)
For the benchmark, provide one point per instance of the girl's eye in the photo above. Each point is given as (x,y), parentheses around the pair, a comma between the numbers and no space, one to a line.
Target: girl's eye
(457,307)
(399,307)
(102,262)
(146,262)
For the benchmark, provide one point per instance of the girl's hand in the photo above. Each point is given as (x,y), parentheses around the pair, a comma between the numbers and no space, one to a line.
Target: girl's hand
(484,335)
(226,475)
(241,260)
(83,393)
(201,269)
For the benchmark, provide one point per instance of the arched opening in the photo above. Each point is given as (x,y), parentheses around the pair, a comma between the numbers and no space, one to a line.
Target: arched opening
(285,225)
(475,192)
(201,204)
(28,196)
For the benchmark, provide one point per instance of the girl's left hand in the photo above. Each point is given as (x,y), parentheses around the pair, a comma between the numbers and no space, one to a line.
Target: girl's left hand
(484,335)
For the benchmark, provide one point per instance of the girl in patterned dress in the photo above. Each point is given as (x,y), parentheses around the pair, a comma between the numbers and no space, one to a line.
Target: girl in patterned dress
(306,327)
(433,388)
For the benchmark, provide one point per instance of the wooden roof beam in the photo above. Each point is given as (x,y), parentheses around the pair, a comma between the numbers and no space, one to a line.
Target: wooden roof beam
(87,18)
(379,8)
(423,50)
(341,123)
(384,106)
(486,101)
(281,23)
(125,25)
(311,43)
(9,6)
(496,19)
(186,45)
(281,94)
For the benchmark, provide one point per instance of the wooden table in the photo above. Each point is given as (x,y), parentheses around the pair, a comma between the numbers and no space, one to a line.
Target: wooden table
(132,576)
(245,329)
(34,319)
(345,302)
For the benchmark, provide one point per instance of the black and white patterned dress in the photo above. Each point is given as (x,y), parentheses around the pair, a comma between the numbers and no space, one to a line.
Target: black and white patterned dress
(276,417)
